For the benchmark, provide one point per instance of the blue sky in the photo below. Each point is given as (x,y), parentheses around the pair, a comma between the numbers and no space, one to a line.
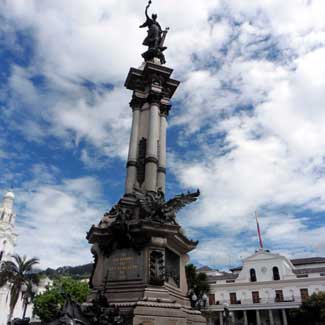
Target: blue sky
(247,125)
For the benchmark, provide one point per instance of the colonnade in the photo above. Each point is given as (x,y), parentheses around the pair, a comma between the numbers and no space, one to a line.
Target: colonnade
(232,320)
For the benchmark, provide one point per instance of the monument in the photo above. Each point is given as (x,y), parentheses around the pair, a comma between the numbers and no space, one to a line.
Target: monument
(140,251)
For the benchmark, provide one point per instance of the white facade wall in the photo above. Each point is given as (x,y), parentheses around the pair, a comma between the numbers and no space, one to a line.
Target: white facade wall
(292,280)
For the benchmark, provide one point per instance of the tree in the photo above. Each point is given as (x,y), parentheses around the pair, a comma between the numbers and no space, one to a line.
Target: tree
(17,273)
(198,282)
(47,306)
(311,312)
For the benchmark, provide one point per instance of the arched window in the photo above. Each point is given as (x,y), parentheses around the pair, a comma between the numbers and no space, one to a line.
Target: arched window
(276,274)
(252,275)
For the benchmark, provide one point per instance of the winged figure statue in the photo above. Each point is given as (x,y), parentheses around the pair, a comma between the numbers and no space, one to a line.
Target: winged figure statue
(154,207)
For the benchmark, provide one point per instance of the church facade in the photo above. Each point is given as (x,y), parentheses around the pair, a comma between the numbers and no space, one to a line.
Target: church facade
(263,289)
(8,237)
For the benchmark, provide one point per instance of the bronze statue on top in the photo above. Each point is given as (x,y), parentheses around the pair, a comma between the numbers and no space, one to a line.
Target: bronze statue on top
(155,38)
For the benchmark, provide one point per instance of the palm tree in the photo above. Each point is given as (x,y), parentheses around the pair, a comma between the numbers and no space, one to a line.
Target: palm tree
(16,273)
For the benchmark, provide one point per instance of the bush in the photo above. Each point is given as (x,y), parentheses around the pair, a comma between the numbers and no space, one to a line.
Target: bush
(47,306)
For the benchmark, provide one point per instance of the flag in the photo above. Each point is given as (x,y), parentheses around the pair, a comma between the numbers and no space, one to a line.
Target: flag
(259,231)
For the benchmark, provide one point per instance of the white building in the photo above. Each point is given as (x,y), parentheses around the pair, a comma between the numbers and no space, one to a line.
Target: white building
(264,288)
(8,238)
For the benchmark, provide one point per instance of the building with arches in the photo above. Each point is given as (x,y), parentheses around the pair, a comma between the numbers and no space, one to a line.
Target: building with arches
(263,289)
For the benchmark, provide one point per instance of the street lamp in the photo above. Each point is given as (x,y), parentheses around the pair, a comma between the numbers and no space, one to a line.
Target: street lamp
(226,313)
(28,293)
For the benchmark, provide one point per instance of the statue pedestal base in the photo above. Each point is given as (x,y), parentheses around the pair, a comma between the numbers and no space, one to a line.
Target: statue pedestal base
(142,272)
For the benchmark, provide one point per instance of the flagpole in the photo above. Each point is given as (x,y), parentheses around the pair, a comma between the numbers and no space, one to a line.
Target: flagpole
(259,231)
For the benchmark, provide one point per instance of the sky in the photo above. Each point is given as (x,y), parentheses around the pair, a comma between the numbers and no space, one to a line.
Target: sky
(247,125)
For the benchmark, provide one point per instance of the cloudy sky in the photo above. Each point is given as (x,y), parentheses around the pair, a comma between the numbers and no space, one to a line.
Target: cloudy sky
(247,125)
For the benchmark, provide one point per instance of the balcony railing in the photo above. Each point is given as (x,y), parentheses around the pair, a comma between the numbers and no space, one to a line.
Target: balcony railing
(274,300)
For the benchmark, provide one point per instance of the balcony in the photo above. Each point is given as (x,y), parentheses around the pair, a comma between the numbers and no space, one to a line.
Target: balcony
(262,303)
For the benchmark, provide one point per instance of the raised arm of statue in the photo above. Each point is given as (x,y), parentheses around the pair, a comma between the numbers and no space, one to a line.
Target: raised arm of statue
(149,20)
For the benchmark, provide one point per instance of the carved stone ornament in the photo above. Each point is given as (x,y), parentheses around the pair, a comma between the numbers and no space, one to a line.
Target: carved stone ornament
(97,312)
(157,268)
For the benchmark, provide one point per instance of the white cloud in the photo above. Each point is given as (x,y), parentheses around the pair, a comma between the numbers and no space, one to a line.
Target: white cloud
(251,104)
(53,218)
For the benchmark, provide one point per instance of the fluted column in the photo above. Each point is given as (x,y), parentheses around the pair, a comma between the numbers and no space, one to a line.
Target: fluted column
(245,318)
(164,110)
(220,318)
(131,176)
(152,144)
(258,317)
(284,317)
(271,317)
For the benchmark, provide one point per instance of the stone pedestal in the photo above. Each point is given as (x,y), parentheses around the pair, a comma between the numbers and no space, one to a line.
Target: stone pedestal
(140,265)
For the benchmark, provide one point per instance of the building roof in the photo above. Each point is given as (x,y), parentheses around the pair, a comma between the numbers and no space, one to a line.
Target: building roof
(308,260)
(310,270)
(295,262)
(205,269)
(223,276)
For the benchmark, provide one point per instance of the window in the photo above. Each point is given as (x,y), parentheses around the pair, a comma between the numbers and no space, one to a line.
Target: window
(1,254)
(304,294)
(276,274)
(322,274)
(233,298)
(212,299)
(252,275)
(255,297)
(278,296)
(230,281)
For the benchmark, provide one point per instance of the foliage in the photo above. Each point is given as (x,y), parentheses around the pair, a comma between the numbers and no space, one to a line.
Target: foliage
(48,304)
(311,312)
(196,281)
(17,273)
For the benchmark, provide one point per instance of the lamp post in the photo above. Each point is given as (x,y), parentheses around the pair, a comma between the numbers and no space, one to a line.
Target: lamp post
(198,302)
(28,293)
(226,314)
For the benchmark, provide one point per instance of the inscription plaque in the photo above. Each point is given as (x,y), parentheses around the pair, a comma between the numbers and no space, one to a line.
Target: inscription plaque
(125,264)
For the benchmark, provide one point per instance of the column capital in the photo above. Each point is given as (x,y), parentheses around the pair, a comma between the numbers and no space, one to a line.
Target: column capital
(155,98)
(137,102)
(164,109)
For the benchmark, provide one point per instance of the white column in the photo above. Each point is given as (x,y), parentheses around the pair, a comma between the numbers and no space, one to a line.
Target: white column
(162,153)
(152,149)
(271,317)
(220,318)
(258,317)
(245,318)
(284,317)
(133,151)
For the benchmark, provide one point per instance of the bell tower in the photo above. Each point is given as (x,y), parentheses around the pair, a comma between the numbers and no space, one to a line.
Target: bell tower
(8,235)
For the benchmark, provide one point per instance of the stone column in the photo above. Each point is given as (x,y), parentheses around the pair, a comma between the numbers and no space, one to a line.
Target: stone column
(271,317)
(152,145)
(162,147)
(258,317)
(284,317)
(245,318)
(220,318)
(131,174)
